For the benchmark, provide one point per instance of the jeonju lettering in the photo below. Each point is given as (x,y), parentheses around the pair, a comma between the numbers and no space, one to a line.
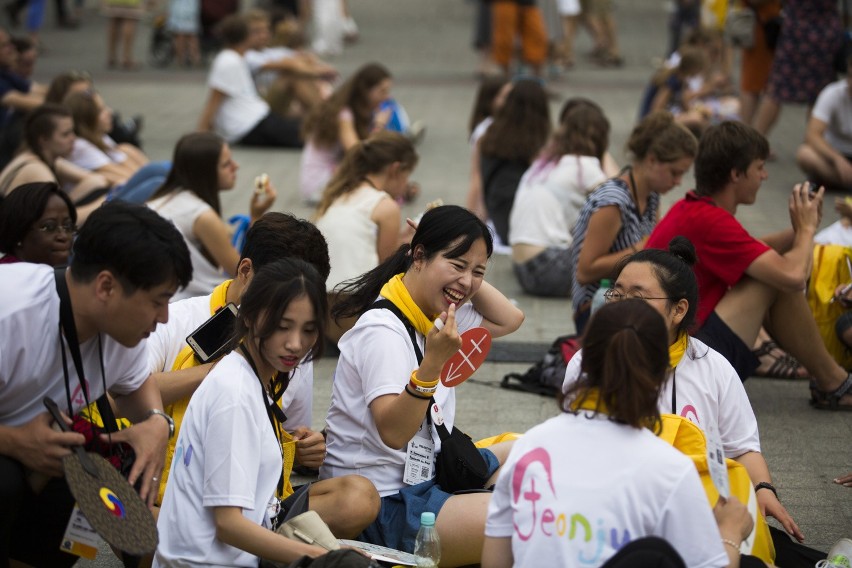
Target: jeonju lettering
(558,524)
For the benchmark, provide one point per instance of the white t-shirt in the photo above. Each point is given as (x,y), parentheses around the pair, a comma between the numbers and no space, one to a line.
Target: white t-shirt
(242,108)
(834,107)
(376,359)
(707,389)
(226,455)
(183,208)
(351,234)
(256,59)
(185,316)
(574,490)
(549,199)
(30,356)
(89,157)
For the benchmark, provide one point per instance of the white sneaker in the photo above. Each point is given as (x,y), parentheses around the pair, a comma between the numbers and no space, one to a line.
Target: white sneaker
(840,555)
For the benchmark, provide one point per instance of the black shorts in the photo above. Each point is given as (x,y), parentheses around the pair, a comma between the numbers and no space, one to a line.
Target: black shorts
(720,337)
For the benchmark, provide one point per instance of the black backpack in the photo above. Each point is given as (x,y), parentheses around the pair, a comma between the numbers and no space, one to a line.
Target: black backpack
(546,376)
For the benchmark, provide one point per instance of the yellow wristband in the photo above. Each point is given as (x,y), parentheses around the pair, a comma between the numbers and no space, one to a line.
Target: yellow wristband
(419,383)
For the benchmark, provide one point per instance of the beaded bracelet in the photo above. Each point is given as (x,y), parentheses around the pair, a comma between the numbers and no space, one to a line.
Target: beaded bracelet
(426,384)
(410,392)
(731,543)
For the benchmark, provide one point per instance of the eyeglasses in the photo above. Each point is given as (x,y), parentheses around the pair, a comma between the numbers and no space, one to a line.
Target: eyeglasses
(51,227)
(613,295)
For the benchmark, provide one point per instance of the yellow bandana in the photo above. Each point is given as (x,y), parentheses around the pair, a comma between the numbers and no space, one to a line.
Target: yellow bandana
(395,291)
(677,349)
(589,400)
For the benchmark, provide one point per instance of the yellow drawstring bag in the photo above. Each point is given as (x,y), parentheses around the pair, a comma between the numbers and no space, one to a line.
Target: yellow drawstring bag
(829,271)
(690,440)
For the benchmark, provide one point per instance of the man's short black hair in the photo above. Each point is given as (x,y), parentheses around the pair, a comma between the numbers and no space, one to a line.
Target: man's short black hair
(281,235)
(725,147)
(139,247)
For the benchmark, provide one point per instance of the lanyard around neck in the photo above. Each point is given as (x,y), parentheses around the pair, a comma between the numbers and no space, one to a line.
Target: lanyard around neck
(273,411)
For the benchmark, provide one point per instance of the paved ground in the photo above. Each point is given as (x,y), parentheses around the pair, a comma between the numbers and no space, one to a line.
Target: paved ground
(426,46)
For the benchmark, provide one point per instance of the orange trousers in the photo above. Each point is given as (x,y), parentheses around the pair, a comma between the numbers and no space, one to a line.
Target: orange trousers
(508,20)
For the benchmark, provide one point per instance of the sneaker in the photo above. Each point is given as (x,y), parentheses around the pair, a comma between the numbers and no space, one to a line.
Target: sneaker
(840,555)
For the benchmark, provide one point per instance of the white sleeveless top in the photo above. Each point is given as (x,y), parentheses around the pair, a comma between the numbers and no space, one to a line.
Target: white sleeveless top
(351,234)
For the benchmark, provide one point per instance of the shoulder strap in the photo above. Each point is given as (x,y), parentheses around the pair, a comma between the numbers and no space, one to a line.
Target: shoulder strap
(388,305)
(385,304)
(10,177)
(67,327)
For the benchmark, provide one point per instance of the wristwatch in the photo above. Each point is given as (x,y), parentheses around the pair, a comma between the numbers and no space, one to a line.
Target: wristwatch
(158,412)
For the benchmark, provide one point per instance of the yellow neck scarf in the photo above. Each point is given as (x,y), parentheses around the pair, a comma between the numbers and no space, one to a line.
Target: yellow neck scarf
(589,400)
(395,291)
(678,349)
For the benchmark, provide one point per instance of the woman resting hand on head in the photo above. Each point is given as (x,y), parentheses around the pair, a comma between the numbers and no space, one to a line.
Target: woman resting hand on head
(381,391)
(701,385)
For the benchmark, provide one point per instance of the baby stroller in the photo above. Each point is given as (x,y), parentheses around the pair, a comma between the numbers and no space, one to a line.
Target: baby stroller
(162,50)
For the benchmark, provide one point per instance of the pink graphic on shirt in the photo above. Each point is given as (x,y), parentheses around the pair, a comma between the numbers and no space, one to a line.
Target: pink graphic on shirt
(78,400)
(530,504)
(690,414)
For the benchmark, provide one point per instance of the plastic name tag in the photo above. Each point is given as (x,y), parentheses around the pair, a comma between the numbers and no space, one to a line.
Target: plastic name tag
(80,538)
(716,460)
(420,457)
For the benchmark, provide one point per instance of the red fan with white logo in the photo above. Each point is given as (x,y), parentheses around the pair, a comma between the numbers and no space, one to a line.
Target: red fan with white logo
(475,345)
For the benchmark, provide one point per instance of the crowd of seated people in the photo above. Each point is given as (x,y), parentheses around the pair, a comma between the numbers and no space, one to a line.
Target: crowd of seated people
(140,255)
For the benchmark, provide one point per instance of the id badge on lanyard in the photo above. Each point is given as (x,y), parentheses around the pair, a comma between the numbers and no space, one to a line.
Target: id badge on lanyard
(420,455)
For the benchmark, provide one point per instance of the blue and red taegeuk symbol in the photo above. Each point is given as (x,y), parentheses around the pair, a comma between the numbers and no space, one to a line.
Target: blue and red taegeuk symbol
(112,502)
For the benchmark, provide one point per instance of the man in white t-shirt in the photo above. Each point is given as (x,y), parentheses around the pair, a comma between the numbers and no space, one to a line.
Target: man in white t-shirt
(127,262)
(234,109)
(826,154)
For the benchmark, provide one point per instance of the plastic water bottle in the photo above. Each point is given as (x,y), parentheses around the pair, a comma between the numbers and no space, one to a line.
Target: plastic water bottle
(598,299)
(427,547)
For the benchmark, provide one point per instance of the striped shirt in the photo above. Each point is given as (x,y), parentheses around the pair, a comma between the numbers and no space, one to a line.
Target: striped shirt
(634,228)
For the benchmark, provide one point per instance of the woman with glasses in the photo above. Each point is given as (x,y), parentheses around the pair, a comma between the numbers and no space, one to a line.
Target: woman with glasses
(701,384)
(37,224)
(618,216)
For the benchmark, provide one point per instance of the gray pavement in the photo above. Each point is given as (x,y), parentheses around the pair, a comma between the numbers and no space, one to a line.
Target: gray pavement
(426,45)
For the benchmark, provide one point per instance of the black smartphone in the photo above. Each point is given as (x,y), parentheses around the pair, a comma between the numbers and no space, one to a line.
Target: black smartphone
(212,337)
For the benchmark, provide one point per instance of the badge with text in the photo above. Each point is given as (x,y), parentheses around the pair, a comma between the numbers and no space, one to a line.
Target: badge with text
(80,538)
(475,344)
(716,460)
(419,461)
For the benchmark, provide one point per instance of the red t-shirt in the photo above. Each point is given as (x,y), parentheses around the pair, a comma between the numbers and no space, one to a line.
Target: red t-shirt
(724,248)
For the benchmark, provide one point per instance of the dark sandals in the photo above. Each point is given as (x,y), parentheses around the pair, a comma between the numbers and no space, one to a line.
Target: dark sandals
(783,366)
(822,400)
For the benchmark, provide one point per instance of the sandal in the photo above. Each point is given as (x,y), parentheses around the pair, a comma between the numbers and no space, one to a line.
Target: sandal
(783,366)
(822,400)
